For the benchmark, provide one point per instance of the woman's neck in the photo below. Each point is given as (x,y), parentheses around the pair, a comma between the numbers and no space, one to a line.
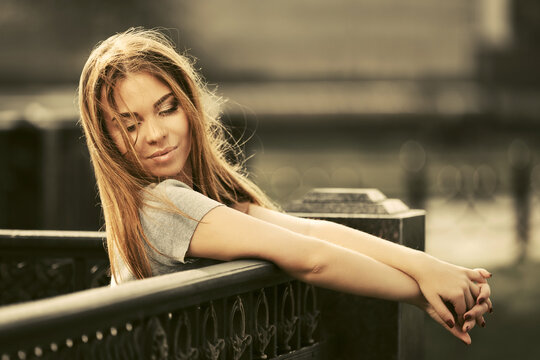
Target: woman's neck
(185,175)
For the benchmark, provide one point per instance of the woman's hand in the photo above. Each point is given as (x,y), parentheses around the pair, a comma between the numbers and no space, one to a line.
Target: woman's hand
(449,287)
(472,316)
(475,314)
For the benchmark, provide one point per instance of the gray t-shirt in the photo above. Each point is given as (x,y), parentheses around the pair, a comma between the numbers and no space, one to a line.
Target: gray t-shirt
(170,232)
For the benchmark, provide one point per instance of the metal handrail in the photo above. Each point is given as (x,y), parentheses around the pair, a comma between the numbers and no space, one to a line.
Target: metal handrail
(99,308)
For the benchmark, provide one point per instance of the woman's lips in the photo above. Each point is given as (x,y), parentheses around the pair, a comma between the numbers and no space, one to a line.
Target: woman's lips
(163,154)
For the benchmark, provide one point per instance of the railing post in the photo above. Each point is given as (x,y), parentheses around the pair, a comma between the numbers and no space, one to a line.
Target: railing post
(357,327)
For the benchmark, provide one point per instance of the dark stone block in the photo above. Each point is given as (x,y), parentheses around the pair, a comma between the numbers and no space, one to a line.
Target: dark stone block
(357,327)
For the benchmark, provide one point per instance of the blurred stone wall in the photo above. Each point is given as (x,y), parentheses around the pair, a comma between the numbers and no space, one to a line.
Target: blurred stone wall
(419,99)
(48,41)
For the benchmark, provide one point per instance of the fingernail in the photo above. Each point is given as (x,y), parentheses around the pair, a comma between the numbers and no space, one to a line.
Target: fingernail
(467,328)
(450,323)
(483,324)
(481,301)
(467,317)
(491,310)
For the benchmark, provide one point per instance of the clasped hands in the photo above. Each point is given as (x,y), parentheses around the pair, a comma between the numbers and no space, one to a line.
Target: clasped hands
(455,297)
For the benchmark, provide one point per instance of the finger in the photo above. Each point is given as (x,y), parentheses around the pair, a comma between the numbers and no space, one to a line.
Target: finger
(468,325)
(484,274)
(442,311)
(475,289)
(485,293)
(476,275)
(476,312)
(468,320)
(454,330)
(480,321)
(490,306)
(469,300)
(460,307)
(461,335)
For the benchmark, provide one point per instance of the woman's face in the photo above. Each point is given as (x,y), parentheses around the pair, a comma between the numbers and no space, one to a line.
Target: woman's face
(156,124)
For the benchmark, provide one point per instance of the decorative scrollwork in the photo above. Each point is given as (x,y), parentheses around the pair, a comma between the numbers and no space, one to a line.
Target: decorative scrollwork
(181,345)
(263,330)
(128,343)
(310,314)
(155,344)
(287,319)
(29,279)
(237,329)
(212,345)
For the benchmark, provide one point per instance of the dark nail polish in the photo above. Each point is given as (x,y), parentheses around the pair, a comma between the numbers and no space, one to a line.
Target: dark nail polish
(467,317)
(481,301)
(450,324)
(483,324)
(467,328)
(491,310)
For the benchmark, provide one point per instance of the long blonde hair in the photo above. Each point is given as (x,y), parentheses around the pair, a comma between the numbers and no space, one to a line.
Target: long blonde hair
(121,178)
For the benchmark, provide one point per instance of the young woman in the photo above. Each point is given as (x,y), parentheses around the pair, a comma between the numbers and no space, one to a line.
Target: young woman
(170,196)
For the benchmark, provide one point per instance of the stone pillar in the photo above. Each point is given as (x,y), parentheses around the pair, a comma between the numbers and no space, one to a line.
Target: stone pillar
(355,327)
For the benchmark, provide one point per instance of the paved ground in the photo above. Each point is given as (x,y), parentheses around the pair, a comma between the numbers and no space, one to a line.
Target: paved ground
(460,234)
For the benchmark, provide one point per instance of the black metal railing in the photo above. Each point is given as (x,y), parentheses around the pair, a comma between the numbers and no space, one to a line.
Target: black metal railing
(236,310)
(39,264)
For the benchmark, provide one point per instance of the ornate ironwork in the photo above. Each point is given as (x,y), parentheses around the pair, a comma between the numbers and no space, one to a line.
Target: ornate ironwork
(264,331)
(155,340)
(310,314)
(181,343)
(287,318)
(212,345)
(40,264)
(30,279)
(238,338)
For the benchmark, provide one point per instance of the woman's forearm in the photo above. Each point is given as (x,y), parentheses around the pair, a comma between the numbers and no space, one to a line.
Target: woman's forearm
(342,269)
(412,262)
(304,257)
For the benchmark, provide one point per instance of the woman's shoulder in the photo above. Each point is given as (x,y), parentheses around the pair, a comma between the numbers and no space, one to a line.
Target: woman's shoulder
(180,195)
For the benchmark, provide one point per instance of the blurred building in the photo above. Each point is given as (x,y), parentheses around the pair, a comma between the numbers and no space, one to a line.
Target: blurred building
(418,99)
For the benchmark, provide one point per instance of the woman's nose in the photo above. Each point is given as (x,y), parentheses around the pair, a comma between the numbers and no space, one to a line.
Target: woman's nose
(154,131)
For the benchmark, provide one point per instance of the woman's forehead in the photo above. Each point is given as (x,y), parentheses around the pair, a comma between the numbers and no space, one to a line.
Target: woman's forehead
(134,90)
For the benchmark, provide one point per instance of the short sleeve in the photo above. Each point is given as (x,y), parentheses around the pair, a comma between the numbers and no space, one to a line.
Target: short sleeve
(167,230)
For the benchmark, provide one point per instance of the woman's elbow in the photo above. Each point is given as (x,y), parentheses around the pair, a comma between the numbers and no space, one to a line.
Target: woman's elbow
(312,265)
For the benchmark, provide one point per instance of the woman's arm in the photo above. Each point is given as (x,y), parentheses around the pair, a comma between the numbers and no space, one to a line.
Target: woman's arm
(226,234)
(438,280)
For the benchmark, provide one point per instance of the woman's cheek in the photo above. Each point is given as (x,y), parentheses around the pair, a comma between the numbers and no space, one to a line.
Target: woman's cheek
(119,142)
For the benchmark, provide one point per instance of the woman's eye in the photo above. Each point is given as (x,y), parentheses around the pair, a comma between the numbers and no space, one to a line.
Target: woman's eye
(131,128)
(172,108)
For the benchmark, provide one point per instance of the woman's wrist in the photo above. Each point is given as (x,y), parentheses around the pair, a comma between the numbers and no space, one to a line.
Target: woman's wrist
(419,301)
(420,264)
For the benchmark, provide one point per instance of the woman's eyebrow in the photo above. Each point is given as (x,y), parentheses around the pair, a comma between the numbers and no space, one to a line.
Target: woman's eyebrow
(156,105)
(162,99)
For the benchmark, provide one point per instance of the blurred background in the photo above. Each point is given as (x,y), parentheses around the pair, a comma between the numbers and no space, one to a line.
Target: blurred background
(435,103)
